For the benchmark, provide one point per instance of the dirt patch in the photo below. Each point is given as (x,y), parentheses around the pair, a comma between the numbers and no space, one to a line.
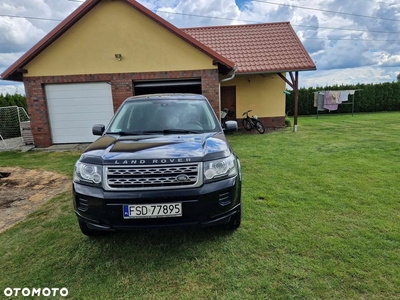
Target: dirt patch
(25,190)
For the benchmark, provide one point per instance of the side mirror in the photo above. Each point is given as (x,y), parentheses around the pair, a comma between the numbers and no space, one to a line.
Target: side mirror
(231,126)
(98,129)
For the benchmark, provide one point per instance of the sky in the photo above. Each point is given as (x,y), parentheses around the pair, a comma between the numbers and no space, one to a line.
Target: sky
(350,42)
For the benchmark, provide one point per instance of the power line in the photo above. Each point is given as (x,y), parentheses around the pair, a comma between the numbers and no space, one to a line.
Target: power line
(348,39)
(33,18)
(220,18)
(240,20)
(346,29)
(325,10)
(252,21)
(231,19)
(202,16)
(314,9)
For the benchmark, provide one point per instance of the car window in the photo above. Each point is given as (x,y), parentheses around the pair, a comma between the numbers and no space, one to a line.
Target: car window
(158,115)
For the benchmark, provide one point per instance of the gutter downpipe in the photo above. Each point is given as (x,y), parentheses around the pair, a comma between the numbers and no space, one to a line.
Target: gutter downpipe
(233,72)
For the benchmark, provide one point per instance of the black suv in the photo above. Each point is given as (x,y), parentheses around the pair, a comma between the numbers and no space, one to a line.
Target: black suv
(162,161)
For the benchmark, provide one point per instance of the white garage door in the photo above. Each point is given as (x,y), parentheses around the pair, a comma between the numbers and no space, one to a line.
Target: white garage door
(75,108)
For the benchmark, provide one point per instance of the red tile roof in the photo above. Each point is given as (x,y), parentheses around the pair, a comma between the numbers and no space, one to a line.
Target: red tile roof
(14,72)
(257,48)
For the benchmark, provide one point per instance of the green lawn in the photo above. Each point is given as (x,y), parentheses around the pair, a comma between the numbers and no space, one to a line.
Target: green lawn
(321,221)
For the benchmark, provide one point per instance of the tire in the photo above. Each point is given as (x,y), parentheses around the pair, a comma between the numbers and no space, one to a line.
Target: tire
(246,124)
(260,127)
(87,231)
(235,221)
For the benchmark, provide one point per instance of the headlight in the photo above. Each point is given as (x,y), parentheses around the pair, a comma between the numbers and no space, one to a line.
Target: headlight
(215,169)
(88,173)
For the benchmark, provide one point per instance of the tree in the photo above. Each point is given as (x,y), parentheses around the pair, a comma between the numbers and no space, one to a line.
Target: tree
(398,77)
(16,99)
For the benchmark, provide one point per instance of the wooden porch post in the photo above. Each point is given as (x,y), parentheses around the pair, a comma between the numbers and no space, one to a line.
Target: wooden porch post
(295,86)
(296,99)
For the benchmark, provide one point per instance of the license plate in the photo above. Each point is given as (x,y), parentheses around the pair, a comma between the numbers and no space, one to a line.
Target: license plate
(143,211)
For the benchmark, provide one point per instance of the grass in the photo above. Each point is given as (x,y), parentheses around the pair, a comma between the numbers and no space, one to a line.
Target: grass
(321,221)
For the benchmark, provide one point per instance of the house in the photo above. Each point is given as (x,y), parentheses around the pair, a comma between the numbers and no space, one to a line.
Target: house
(108,50)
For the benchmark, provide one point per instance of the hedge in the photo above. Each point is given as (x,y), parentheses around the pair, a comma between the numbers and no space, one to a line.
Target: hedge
(368,98)
(11,100)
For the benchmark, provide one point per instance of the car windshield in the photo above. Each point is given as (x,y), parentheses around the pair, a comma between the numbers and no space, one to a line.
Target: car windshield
(151,116)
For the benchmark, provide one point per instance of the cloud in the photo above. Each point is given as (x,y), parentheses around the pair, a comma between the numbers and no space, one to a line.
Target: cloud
(17,35)
(308,32)
(343,54)
(6,58)
(388,60)
(9,87)
(155,4)
(264,12)
(217,12)
(347,76)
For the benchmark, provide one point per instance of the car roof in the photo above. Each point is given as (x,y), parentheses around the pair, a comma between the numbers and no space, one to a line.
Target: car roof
(169,96)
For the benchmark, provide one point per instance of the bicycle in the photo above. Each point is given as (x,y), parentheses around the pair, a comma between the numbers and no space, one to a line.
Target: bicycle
(252,122)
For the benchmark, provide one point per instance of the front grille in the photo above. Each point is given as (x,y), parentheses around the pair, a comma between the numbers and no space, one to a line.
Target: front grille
(143,177)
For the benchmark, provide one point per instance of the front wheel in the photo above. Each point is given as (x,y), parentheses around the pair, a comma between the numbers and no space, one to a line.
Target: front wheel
(246,124)
(260,127)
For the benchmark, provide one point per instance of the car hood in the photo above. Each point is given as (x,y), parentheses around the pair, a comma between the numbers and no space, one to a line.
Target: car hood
(157,149)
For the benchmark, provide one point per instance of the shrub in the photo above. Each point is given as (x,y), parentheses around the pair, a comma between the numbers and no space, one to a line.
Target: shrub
(368,98)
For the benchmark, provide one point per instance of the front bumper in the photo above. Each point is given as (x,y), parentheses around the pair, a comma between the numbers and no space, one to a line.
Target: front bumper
(211,204)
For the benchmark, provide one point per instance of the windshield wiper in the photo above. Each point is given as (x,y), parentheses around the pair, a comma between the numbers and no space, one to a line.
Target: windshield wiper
(150,132)
(126,133)
(170,131)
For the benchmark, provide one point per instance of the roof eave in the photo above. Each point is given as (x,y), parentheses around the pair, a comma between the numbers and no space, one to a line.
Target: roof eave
(276,71)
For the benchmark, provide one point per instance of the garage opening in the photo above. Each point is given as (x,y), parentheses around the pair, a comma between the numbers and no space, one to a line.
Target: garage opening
(167,86)
(75,107)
